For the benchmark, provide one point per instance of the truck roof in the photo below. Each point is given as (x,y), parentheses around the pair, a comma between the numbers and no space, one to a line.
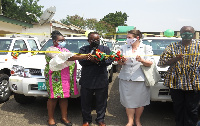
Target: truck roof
(157,38)
(124,29)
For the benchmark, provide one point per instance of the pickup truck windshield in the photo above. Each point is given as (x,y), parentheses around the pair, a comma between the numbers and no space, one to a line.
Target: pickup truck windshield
(5,45)
(33,44)
(73,45)
(121,43)
(158,45)
(110,45)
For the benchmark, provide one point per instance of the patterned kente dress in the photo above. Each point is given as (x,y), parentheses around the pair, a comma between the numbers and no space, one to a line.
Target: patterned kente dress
(60,74)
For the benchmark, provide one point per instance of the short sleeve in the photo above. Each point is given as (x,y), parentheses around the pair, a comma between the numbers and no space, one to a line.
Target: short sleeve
(59,60)
(50,54)
(165,56)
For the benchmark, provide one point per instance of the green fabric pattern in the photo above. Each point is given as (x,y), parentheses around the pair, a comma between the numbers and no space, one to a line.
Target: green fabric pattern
(46,73)
(56,80)
(71,70)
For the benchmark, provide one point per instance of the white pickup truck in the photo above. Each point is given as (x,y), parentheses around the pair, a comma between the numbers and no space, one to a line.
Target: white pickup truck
(160,92)
(8,44)
(28,81)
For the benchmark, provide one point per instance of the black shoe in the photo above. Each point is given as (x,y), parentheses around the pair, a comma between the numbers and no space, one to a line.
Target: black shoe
(52,124)
(66,124)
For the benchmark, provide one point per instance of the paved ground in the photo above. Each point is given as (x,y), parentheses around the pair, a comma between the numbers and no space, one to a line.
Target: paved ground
(14,114)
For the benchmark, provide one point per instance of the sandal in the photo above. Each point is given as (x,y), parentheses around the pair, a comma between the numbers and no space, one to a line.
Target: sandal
(65,123)
(51,124)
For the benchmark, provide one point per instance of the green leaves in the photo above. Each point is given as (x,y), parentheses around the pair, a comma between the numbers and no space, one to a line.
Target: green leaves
(116,19)
(17,9)
(105,25)
(75,20)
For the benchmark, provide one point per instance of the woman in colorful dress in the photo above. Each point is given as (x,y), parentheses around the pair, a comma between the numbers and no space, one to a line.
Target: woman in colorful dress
(60,77)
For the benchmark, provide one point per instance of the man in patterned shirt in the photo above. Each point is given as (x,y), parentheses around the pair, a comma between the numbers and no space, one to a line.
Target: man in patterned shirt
(183,76)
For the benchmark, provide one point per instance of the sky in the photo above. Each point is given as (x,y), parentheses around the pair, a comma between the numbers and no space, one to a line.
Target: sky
(145,15)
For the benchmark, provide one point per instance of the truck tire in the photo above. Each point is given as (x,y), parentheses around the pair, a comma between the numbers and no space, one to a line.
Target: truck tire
(5,91)
(22,99)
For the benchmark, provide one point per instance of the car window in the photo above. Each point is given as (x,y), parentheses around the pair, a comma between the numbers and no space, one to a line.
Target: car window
(109,44)
(32,44)
(120,43)
(158,45)
(5,45)
(121,37)
(46,45)
(19,45)
(73,45)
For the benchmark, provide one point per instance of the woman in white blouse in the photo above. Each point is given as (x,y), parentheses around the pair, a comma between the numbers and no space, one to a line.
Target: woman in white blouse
(134,94)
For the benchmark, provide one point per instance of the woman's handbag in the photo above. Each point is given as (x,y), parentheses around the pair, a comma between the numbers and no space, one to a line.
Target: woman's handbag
(151,74)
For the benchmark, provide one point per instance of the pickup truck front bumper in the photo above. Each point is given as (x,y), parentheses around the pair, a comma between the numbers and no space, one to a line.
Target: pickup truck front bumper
(29,86)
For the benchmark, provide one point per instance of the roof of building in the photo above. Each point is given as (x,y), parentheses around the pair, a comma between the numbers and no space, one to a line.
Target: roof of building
(72,27)
(124,29)
(14,21)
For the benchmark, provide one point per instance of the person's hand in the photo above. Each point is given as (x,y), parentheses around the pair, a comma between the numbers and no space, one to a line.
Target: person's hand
(175,59)
(139,59)
(179,57)
(122,61)
(90,57)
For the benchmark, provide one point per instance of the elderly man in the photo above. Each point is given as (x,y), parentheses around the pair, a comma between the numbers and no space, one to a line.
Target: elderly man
(183,76)
(94,79)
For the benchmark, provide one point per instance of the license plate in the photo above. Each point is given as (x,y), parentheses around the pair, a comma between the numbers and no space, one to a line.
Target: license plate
(42,86)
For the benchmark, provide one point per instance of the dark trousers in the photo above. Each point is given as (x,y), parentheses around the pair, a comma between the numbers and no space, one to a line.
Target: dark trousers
(186,105)
(101,103)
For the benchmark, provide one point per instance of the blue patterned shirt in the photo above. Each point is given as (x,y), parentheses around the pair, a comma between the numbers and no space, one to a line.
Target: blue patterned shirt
(183,74)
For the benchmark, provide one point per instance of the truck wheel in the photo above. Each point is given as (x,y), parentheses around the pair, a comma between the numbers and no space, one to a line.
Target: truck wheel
(22,99)
(111,75)
(5,91)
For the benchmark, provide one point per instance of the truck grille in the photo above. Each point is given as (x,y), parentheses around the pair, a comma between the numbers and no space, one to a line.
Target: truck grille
(35,87)
(164,92)
(35,72)
(162,74)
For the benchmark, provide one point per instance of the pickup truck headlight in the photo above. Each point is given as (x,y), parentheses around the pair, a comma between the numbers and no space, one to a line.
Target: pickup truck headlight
(27,73)
(17,70)
(33,72)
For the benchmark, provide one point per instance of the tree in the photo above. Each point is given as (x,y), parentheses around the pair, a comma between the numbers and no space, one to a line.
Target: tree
(104,27)
(91,23)
(17,9)
(75,20)
(116,19)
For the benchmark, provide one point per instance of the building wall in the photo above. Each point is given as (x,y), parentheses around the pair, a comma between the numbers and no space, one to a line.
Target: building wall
(42,32)
(8,28)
